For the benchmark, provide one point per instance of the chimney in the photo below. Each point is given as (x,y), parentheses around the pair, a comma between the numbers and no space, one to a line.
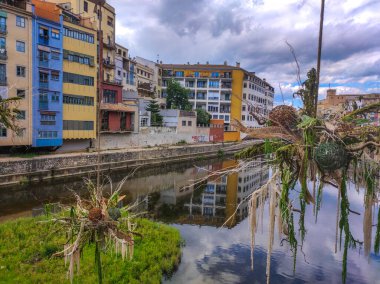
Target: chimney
(161,62)
(188,63)
(237,64)
(264,80)
(225,63)
(207,62)
(198,63)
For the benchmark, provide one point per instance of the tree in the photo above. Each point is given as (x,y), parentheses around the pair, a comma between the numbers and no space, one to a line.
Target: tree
(203,117)
(155,118)
(9,113)
(177,96)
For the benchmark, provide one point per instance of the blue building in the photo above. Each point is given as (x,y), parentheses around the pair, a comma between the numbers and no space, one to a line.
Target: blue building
(47,69)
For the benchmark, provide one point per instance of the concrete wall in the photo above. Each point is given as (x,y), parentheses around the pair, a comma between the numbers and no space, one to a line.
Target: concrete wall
(148,136)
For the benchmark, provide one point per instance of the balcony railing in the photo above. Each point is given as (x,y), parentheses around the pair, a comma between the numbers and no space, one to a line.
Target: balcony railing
(3,54)
(109,45)
(108,64)
(44,85)
(19,4)
(3,29)
(113,81)
(43,63)
(43,40)
(3,81)
(43,105)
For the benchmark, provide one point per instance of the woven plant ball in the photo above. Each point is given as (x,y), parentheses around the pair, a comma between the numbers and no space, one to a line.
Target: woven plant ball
(114,213)
(95,214)
(285,116)
(330,156)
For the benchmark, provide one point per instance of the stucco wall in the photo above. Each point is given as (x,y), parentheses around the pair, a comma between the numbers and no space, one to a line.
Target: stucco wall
(148,136)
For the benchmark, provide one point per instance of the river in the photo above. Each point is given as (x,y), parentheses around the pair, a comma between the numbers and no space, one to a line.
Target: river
(212,254)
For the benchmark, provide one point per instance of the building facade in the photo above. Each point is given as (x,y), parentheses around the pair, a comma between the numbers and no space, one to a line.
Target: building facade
(47,75)
(16,67)
(348,102)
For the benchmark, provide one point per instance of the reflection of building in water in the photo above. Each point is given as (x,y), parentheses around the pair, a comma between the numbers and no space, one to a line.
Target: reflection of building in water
(221,196)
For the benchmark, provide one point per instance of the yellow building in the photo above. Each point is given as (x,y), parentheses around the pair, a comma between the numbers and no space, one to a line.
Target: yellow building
(16,67)
(87,10)
(226,92)
(79,78)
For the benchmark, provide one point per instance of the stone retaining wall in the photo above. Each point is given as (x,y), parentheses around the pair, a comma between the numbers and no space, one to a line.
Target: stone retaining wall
(19,170)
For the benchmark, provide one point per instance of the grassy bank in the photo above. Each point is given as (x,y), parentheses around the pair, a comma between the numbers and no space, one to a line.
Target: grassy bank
(27,245)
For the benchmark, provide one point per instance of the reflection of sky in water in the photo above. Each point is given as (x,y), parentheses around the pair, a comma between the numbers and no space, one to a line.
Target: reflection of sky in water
(223,256)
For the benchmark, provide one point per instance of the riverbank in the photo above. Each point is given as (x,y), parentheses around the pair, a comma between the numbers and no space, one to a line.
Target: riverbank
(24,171)
(27,247)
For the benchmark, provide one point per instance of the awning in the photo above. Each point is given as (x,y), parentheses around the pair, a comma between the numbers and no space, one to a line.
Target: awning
(44,71)
(55,50)
(44,48)
(48,112)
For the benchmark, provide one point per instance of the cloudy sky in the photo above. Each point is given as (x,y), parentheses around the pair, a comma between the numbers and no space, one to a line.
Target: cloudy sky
(254,32)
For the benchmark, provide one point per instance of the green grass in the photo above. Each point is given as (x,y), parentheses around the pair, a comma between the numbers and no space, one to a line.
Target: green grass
(26,247)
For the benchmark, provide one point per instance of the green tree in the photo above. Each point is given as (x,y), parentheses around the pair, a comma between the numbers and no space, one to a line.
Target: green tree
(177,96)
(156,118)
(9,113)
(203,117)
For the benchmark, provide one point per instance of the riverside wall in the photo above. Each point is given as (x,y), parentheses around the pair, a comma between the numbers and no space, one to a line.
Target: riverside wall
(15,171)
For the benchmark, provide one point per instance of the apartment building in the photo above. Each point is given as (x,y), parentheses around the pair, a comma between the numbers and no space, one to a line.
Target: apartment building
(149,76)
(79,79)
(47,75)
(226,92)
(16,67)
(125,69)
(257,98)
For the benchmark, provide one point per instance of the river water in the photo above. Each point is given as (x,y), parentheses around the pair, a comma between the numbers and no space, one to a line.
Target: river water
(212,254)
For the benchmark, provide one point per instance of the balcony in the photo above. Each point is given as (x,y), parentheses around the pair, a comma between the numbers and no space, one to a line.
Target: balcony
(18,4)
(108,64)
(113,82)
(3,81)
(3,29)
(43,63)
(44,85)
(43,105)
(3,54)
(226,86)
(44,40)
(109,45)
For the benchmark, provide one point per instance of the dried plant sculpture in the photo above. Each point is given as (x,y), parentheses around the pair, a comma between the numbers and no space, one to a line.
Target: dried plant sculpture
(97,221)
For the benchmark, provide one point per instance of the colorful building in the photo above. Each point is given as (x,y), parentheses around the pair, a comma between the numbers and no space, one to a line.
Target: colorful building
(226,92)
(79,79)
(47,75)
(16,67)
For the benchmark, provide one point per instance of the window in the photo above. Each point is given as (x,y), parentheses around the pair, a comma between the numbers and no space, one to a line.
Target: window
(196,74)
(20,71)
(21,114)
(110,21)
(78,100)
(3,132)
(20,46)
(20,21)
(78,125)
(55,55)
(183,123)
(245,85)
(21,93)
(244,96)
(44,77)
(55,97)
(118,72)
(189,123)
(43,97)
(243,117)
(43,56)
(144,122)
(179,74)
(85,6)
(47,119)
(55,75)
(47,134)
(20,132)
(55,34)
(78,35)
(3,24)
(78,79)
(109,96)
(243,108)
(213,84)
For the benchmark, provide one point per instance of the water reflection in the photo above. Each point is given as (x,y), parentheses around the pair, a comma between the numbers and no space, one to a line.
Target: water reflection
(214,255)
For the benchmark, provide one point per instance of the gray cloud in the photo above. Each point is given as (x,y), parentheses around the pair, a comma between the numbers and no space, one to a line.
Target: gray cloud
(254,33)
